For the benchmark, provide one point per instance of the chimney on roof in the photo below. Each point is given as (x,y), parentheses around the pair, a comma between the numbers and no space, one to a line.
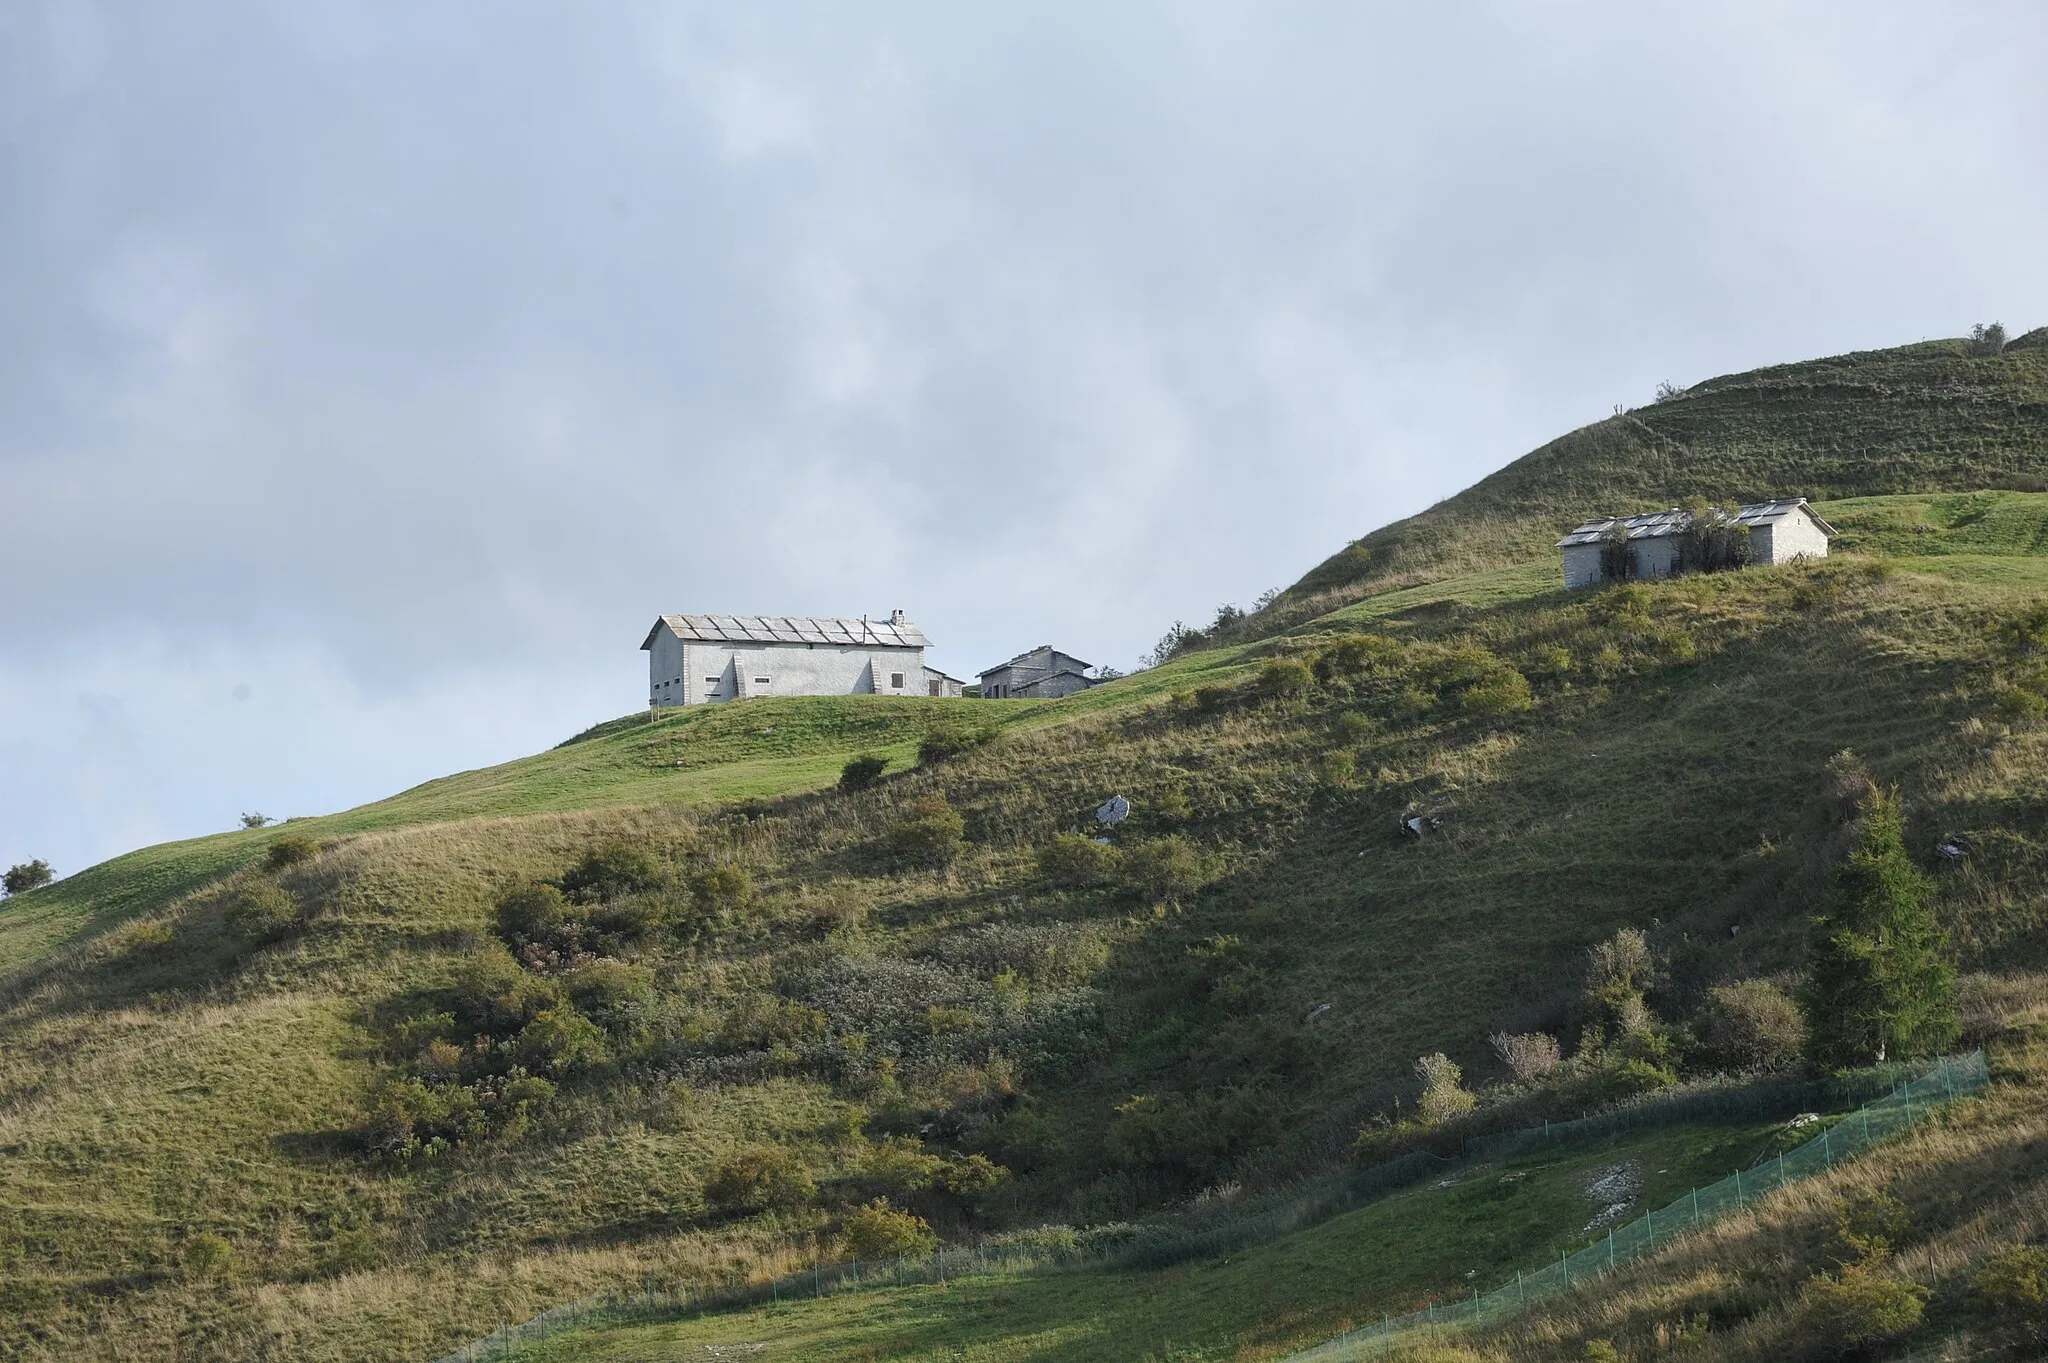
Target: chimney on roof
(896,616)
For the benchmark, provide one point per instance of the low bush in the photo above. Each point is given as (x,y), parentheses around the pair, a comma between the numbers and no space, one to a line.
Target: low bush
(1336,768)
(1847,1312)
(560,1041)
(410,1117)
(1167,868)
(942,745)
(1192,1137)
(1752,1026)
(879,1231)
(1074,862)
(207,1257)
(862,772)
(260,910)
(614,869)
(530,913)
(1443,1098)
(290,850)
(929,836)
(611,993)
(1529,1056)
(2010,1293)
(1506,692)
(763,1178)
(719,891)
(1286,677)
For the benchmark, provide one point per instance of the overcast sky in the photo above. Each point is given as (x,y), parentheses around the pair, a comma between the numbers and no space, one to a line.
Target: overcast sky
(372,374)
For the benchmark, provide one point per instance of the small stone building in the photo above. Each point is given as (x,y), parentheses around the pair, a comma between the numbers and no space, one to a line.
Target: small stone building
(698,659)
(1042,673)
(937,683)
(1779,532)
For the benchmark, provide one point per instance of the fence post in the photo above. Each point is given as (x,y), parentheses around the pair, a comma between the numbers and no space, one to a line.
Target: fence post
(1522,1297)
(1827,1147)
(1565,1262)
(1610,1248)
(1738,1187)
(1695,1209)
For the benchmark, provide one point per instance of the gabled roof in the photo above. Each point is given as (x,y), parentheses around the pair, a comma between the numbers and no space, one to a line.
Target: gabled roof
(1658,524)
(1033,652)
(788,629)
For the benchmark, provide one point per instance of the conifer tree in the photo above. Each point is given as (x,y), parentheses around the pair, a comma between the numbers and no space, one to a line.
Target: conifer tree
(1880,985)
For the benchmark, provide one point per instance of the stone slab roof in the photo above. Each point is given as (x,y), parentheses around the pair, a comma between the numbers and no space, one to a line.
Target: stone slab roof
(789,629)
(1658,524)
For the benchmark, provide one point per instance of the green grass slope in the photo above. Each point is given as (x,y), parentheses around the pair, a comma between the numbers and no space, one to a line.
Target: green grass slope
(1432,1242)
(1919,418)
(687,757)
(191,1106)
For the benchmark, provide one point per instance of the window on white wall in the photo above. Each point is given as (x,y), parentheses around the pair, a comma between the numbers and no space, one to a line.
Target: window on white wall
(896,680)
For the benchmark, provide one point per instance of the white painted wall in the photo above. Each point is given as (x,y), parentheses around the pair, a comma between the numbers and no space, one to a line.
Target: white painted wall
(1789,537)
(713,672)
(1581,565)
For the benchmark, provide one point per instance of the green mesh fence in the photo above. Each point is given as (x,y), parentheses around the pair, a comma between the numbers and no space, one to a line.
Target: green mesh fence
(1905,1100)
(1906,1105)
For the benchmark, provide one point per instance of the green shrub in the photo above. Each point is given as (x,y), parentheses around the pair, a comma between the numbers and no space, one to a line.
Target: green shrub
(764,1178)
(941,745)
(290,850)
(207,1257)
(1167,868)
(559,1041)
(1355,727)
(1351,654)
(1286,677)
(862,772)
(1752,1026)
(879,1231)
(260,910)
(611,870)
(490,996)
(721,890)
(2018,704)
(1191,1137)
(971,1176)
(531,913)
(1504,693)
(1601,1351)
(2010,1292)
(1336,768)
(1847,1312)
(611,993)
(26,876)
(1074,862)
(929,836)
(1443,1098)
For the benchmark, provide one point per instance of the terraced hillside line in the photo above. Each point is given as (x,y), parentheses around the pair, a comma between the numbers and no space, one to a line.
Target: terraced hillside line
(1911,1104)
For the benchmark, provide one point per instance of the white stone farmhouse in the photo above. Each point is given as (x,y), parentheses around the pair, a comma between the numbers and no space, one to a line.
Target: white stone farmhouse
(1779,532)
(699,659)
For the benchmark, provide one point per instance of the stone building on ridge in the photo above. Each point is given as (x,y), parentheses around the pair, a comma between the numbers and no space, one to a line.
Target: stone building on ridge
(703,659)
(1042,673)
(1779,532)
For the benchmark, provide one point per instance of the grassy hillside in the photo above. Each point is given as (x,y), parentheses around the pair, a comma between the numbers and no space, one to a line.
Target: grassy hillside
(365,1105)
(1921,418)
